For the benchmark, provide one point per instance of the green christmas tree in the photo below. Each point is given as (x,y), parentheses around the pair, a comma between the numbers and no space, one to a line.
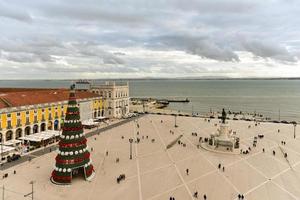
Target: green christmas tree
(73,156)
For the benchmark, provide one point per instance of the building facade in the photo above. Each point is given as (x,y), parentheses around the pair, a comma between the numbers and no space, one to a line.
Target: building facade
(33,111)
(116,96)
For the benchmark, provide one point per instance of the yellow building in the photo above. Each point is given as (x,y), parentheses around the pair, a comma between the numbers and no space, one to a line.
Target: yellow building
(28,111)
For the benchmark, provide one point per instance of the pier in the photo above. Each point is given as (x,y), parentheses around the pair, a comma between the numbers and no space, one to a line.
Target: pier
(162,101)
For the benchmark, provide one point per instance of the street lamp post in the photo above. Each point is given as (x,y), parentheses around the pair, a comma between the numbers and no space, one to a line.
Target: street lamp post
(295,130)
(3,190)
(192,110)
(31,193)
(175,125)
(130,141)
(1,148)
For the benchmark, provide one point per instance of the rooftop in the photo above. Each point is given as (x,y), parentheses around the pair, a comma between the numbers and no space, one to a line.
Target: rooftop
(14,97)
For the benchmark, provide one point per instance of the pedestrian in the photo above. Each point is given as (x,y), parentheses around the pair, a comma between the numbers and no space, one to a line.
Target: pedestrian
(219,166)
(223,169)
(106,153)
(187,171)
(204,197)
(15,171)
(196,194)
(263,150)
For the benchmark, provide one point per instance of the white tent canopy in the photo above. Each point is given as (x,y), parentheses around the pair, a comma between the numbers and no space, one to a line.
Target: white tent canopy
(6,149)
(89,122)
(38,137)
(12,142)
(101,117)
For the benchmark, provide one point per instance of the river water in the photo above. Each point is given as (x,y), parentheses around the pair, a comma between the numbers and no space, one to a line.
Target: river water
(278,99)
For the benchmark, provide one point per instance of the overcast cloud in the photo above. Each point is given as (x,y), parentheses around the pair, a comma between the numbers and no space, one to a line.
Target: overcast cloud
(142,38)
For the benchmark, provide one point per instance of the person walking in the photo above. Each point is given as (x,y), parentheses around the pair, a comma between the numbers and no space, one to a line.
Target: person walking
(187,171)
(196,194)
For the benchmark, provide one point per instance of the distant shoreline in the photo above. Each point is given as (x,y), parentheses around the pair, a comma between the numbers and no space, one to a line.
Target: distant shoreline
(151,78)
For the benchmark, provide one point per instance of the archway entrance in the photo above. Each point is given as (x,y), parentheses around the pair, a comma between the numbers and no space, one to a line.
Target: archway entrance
(43,127)
(78,173)
(9,135)
(50,125)
(56,125)
(27,130)
(35,128)
(18,133)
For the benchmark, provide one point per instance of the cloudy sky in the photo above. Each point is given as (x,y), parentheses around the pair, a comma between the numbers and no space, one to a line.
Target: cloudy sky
(57,39)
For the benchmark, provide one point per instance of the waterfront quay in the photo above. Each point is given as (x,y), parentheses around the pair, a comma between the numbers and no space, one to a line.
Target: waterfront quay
(155,172)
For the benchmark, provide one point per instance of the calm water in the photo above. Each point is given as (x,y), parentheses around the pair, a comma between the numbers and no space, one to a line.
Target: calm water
(263,96)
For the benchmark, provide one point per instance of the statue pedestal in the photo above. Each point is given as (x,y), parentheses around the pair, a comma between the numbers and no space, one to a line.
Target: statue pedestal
(223,141)
(224,132)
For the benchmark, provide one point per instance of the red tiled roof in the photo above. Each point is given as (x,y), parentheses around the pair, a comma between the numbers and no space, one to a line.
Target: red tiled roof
(8,90)
(19,97)
(2,104)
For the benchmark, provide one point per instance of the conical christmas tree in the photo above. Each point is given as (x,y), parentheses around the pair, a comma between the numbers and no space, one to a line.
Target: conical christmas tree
(73,156)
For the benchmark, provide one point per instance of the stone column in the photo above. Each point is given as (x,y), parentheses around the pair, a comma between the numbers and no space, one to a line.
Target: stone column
(14,134)
(23,132)
(4,136)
